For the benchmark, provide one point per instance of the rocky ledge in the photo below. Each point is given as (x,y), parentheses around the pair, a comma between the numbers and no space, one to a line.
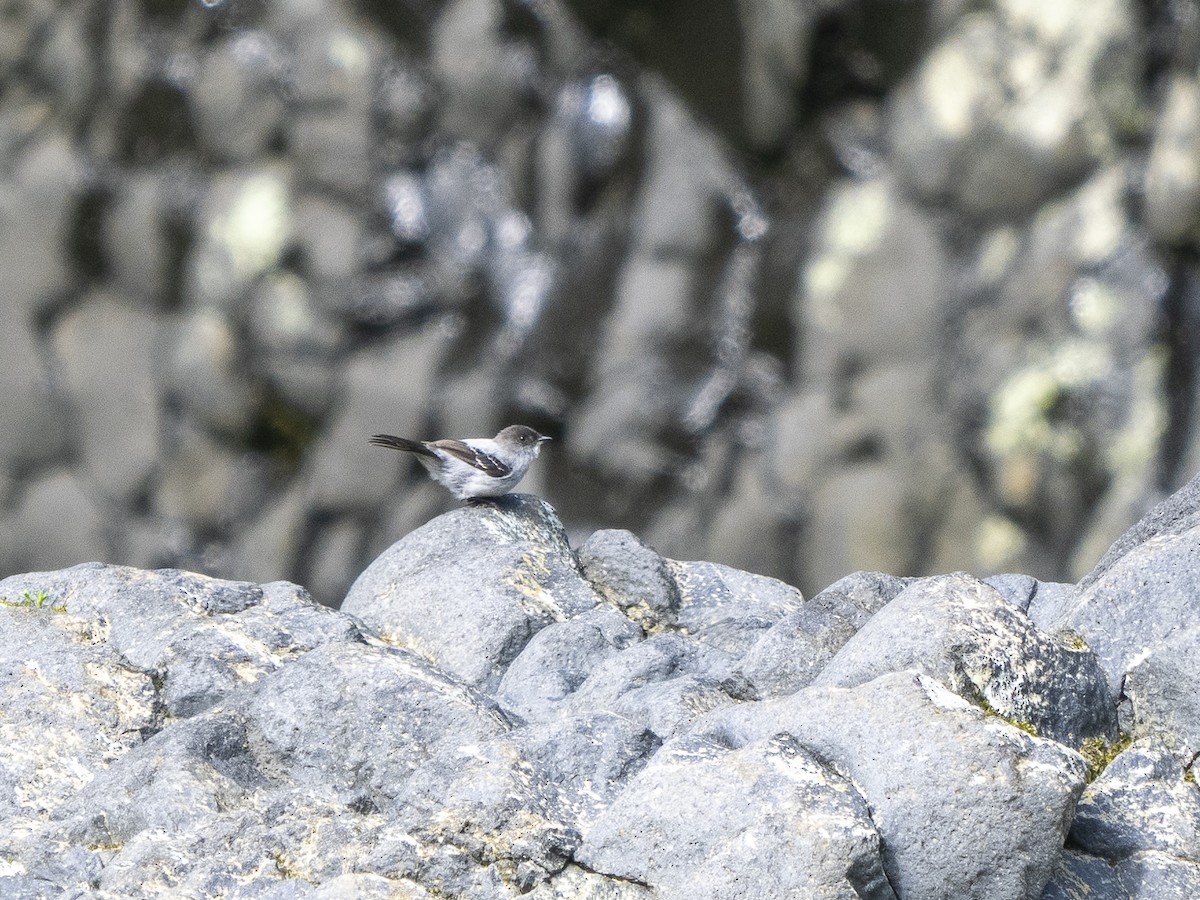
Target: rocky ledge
(493,713)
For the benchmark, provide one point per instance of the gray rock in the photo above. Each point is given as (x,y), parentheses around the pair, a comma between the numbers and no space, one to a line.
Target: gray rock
(484,71)
(962,632)
(560,657)
(329,133)
(1151,584)
(334,557)
(1019,590)
(1160,687)
(862,298)
(625,571)
(206,372)
(1148,876)
(1139,802)
(996,833)
(1051,603)
(664,682)
(590,758)
(777,38)
(575,883)
(961,126)
(867,593)
(245,778)
(72,703)
(201,638)
(330,235)
(33,422)
(520,801)
(135,238)
(1078,875)
(238,102)
(205,484)
(64,62)
(43,183)
(860,520)
(513,574)
(764,819)
(243,225)
(727,608)
(1174,516)
(795,649)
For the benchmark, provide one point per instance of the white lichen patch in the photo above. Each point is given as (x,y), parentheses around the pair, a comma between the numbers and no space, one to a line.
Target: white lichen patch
(51,762)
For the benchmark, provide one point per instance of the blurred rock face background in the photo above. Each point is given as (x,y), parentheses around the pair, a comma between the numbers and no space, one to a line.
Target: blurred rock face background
(803,287)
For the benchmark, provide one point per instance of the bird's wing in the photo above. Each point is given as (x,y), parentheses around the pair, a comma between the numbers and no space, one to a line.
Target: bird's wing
(475,457)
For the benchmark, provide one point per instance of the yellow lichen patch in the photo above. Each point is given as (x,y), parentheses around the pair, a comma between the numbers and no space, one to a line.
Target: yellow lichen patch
(529,578)
(1071,640)
(1098,752)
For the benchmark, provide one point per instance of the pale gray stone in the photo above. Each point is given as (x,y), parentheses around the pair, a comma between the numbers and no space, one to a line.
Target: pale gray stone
(997,833)
(962,632)
(513,574)
(57,519)
(1139,802)
(1142,594)
(1148,876)
(560,657)
(628,573)
(727,608)
(764,819)
(1161,688)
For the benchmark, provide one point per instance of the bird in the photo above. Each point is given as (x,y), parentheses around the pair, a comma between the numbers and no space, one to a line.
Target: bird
(474,468)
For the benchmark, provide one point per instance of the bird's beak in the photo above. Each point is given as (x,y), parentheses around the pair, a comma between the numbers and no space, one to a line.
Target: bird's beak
(542,438)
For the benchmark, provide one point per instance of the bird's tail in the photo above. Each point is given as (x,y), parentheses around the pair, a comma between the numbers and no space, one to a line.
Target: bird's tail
(399,443)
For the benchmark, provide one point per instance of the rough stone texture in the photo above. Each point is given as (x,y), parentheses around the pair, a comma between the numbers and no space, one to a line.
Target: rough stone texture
(171,734)
(1140,802)
(741,823)
(513,574)
(1148,875)
(560,657)
(1145,593)
(108,351)
(1161,690)
(793,651)
(727,608)
(995,834)
(1078,875)
(962,632)
(627,572)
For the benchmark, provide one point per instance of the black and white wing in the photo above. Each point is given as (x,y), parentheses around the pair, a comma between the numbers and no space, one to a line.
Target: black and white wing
(475,457)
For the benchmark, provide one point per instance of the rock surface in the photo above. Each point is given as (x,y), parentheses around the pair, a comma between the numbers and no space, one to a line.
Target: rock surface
(494,715)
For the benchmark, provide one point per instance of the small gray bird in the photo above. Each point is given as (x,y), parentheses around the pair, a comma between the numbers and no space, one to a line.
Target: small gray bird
(474,467)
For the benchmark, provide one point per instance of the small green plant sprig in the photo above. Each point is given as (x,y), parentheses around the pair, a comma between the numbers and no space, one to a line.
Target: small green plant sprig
(33,600)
